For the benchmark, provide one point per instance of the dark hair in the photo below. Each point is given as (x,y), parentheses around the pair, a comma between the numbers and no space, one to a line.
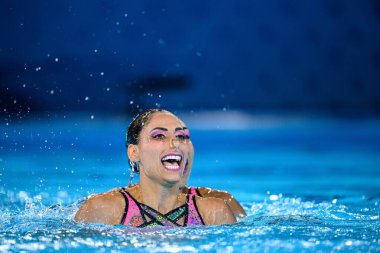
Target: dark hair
(135,128)
(137,125)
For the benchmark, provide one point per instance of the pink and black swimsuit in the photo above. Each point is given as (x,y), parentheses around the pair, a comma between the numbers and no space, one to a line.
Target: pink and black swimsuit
(136,213)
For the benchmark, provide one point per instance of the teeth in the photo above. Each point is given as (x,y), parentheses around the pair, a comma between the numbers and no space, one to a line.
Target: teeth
(172,167)
(172,157)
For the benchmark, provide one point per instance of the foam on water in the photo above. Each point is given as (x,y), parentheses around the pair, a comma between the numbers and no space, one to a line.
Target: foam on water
(280,224)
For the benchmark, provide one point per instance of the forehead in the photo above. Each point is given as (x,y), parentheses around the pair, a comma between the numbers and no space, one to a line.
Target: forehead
(164,119)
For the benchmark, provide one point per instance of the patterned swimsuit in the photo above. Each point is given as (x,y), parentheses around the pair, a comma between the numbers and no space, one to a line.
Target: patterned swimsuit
(136,213)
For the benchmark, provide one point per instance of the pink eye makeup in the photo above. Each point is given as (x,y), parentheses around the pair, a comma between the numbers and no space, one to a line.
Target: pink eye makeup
(184,134)
(187,133)
(162,133)
(157,133)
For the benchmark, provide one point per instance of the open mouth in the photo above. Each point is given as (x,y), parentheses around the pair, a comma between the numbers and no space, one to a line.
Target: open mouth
(172,161)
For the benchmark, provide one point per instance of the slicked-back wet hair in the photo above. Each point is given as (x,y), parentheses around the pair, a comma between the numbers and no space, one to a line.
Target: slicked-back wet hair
(138,124)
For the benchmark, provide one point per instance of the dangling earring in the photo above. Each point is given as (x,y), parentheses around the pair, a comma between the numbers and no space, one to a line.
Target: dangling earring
(134,168)
(131,174)
(130,178)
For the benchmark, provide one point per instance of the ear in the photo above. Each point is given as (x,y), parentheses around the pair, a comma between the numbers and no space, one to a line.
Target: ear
(133,153)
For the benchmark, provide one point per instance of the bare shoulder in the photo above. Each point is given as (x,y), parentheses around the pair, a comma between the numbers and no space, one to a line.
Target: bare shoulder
(235,206)
(215,211)
(208,192)
(107,208)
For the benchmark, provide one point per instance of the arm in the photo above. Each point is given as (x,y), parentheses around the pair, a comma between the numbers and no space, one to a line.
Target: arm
(215,211)
(235,206)
(106,208)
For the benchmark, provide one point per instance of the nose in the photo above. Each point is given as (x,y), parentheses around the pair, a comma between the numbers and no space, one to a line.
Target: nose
(174,143)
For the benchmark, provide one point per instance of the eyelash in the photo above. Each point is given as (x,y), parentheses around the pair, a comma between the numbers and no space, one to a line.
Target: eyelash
(158,136)
(181,137)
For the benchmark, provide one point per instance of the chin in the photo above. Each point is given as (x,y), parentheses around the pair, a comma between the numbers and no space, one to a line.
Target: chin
(172,179)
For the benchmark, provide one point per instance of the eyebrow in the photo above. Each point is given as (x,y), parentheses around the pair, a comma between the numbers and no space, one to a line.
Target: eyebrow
(159,128)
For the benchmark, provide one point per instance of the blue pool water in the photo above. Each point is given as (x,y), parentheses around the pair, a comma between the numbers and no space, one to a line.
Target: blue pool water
(307,184)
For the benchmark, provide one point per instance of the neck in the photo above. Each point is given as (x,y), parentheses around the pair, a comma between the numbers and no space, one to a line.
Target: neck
(162,198)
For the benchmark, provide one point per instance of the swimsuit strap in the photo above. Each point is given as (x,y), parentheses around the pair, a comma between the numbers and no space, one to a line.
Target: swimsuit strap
(193,191)
(194,217)
(132,212)
(170,219)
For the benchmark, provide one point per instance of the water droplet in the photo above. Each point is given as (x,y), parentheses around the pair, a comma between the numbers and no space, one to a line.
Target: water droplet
(95,50)
(86,98)
(334,201)
(24,85)
(56,59)
(273,197)
(131,102)
(92,117)
(52,92)
(108,89)
(102,73)
(348,243)
(126,15)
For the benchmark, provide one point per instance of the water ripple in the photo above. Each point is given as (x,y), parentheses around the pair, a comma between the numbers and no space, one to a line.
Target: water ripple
(273,224)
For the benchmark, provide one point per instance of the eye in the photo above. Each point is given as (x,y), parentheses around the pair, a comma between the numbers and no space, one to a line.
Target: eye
(158,136)
(181,137)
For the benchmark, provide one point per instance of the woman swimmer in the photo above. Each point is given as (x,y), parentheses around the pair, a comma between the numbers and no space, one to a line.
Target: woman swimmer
(158,146)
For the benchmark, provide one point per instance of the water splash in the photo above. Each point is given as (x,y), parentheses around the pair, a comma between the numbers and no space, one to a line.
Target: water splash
(27,223)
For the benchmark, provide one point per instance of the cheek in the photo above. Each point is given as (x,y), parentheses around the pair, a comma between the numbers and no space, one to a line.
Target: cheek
(190,148)
(151,150)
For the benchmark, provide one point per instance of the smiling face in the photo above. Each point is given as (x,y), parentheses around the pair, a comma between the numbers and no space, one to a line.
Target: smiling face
(163,149)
